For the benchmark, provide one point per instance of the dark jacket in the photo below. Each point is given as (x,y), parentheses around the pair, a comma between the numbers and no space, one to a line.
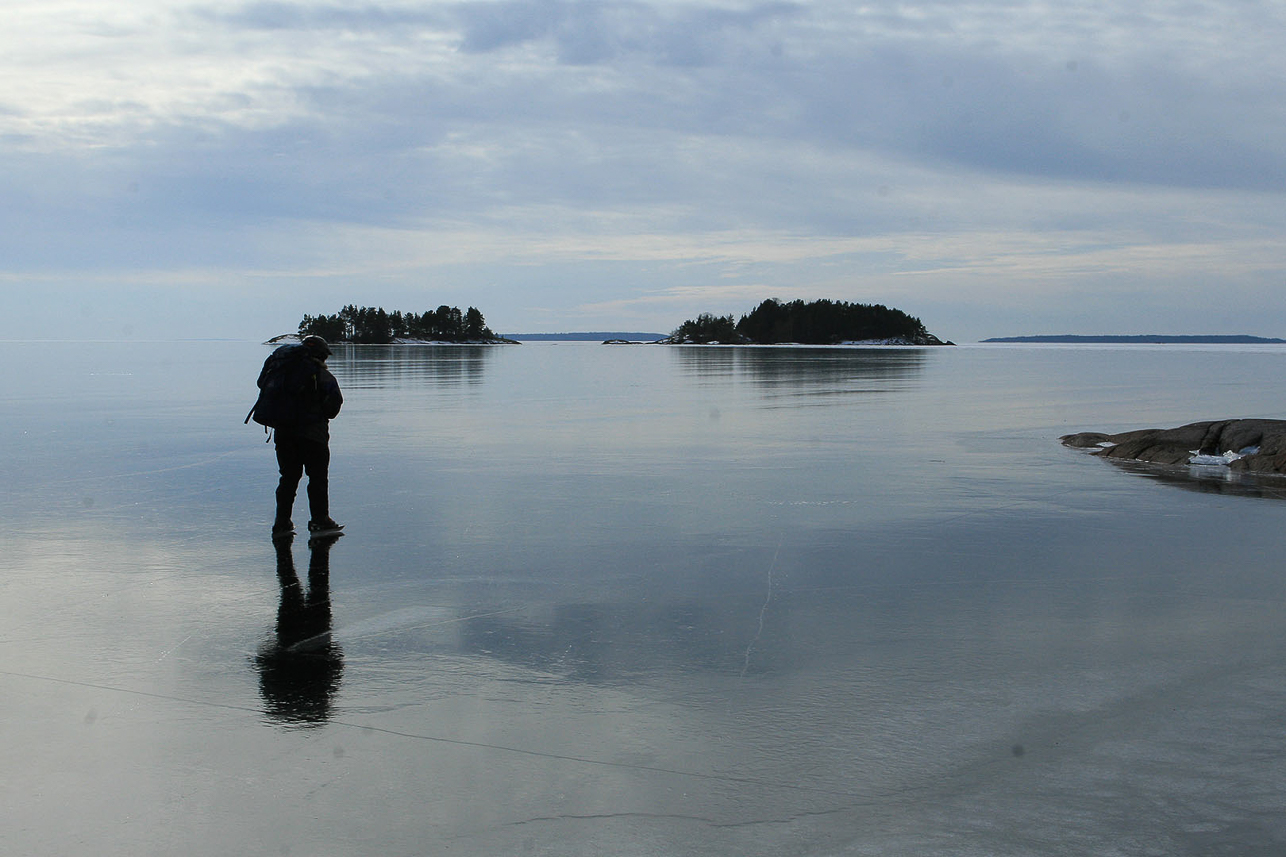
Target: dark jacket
(328,400)
(316,399)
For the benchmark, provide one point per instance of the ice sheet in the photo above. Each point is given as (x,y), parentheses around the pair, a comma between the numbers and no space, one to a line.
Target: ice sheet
(637,601)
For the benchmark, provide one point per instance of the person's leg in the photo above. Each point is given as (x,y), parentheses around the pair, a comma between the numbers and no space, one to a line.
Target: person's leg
(317,463)
(290,464)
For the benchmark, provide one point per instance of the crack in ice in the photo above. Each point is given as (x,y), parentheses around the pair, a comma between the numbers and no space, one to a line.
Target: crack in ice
(458,742)
(763,610)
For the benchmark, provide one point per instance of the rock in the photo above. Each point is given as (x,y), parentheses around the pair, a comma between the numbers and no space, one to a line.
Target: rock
(1261,444)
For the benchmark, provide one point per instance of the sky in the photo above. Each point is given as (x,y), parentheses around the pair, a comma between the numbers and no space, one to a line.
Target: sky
(218,169)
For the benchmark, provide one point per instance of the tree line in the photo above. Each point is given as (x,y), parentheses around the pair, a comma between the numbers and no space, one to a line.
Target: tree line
(375,326)
(821,322)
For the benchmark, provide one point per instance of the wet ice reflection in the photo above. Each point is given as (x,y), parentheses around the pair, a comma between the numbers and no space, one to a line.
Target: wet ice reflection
(301,668)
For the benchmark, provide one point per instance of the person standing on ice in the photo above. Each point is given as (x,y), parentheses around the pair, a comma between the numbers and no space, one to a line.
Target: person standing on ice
(298,397)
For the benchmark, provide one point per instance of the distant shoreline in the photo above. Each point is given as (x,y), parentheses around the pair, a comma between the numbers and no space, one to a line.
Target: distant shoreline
(289,338)
(587,336)
(1145,340)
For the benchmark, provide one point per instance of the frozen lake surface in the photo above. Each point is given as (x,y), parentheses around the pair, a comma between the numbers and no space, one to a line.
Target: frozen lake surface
(642,600)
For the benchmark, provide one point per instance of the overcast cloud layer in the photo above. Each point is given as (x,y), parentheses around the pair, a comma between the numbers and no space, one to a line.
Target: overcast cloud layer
(218,169)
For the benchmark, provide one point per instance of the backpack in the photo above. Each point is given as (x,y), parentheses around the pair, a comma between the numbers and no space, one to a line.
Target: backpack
(287,376)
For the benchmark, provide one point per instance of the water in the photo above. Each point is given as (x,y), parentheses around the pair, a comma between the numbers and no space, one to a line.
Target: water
(640,601)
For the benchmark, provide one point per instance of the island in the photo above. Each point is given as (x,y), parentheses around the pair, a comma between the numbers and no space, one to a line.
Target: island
(375,326)
(821,322)
(1252,446)
(1146,339)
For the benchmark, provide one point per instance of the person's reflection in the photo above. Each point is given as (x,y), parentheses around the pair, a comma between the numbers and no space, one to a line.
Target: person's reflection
(300,669)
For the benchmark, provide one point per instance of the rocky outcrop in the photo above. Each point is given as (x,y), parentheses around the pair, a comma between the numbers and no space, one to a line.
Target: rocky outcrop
(1248,446)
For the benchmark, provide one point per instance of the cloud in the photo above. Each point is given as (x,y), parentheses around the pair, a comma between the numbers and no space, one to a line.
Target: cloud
(583,33)
(787,146)
(936,86)
(280,16)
